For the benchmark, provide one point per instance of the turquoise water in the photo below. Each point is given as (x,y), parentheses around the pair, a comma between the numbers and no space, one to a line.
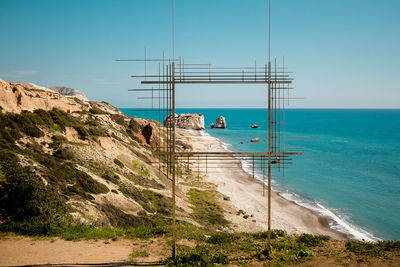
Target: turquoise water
(349,169)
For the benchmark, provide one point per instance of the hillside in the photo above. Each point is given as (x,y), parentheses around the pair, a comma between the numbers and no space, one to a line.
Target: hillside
(77,170)
(84,161)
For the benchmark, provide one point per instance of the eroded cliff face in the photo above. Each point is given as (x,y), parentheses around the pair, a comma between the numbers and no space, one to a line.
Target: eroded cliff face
(89,157)
(18,97)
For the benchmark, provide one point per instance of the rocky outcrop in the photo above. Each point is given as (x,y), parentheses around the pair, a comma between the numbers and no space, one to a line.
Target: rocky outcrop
(31,86)
(187,121)
(69,92)
(151,134)
(220,122)
(212,125)
(21,96)
(255,140)
(255,126)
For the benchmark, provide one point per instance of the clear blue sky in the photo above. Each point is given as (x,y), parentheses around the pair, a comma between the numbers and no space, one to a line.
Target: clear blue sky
(344,53)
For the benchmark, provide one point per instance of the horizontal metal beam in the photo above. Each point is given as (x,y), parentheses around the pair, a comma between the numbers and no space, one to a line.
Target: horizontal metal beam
(219,82)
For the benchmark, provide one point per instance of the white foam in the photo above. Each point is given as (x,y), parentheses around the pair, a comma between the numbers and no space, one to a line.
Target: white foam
(336,222)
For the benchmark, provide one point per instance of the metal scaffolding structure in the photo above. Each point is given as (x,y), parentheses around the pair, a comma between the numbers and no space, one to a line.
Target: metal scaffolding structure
(173,72)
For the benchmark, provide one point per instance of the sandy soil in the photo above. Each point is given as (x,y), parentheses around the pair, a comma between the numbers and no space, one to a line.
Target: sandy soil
(247,195)
(25,251)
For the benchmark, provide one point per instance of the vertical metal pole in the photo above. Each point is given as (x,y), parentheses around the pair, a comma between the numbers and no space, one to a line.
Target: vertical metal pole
(283,119)
(269,126)
(269,154)
(173,163)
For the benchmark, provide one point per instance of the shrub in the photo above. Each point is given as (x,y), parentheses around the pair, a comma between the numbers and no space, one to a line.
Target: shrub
(149,200)
(119,218)
(119,119)
(134,126)
(312,240)
(96,110)
(200,256)
(110,176)
(118,163)
(64,153)
(372,249)
(275,233)
(24,196)
(222,238)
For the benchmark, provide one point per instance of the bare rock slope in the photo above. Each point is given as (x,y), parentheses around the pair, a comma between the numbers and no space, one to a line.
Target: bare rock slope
(17,97)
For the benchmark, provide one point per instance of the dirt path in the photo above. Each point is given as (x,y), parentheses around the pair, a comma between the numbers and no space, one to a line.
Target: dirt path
(26,251)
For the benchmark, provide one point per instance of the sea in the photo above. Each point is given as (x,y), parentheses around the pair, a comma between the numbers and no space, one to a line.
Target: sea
(349,170)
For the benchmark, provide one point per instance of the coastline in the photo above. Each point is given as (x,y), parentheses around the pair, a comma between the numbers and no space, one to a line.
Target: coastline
(246,194)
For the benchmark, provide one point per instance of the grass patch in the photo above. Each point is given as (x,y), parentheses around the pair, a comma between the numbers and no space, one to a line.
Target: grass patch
(206,209)
(377,249)
(81,231)
(312,240)
(140,168)
(139,254)
(199,256)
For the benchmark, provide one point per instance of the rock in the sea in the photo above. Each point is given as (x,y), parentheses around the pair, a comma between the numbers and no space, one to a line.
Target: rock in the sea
(255,126)
(187,121)
(254,140)
(220,122)
(212,125)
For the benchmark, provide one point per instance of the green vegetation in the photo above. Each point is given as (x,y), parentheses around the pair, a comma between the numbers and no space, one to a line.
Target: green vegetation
(211,248)
(57,168)
(134,126)
(109,174)
(118,163)
(96,110)
(14,126)
(206,209)
(312,240)
(119,119)
(373,249)
(118,218)
(203,255)
(24,196)
(145,182)
(140,168)
(80,231)
(151,201)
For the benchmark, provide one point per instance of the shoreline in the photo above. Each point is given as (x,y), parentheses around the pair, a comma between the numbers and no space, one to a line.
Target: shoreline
(246,194)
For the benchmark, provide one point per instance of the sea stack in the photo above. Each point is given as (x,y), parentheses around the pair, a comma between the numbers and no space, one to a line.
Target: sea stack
(212,125)
(220,122)
(187,121)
